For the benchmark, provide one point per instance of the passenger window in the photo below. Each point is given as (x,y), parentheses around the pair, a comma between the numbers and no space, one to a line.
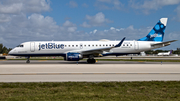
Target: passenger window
(77,45)
(89,45)
(69,45)
(72,45)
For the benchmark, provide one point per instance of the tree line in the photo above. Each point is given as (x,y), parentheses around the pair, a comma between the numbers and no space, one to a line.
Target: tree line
(4,49)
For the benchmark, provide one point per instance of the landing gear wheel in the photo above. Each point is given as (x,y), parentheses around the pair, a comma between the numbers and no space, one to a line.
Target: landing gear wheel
(91,61)
(28,61)
(88,60)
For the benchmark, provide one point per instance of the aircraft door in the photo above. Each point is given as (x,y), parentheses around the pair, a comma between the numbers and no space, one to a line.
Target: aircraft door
(81,46)
(32,46)
(136,45)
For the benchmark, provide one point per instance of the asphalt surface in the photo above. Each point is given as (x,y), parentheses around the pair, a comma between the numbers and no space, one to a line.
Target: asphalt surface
(79,62)
(65,71)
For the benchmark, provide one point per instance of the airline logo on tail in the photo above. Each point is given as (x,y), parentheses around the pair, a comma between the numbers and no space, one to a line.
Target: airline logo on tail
(157,33)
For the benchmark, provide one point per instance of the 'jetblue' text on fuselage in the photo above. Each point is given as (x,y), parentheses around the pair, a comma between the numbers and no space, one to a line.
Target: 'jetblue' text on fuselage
(51,46)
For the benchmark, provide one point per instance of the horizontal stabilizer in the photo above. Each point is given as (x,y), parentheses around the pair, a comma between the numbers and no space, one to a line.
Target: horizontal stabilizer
(162,44)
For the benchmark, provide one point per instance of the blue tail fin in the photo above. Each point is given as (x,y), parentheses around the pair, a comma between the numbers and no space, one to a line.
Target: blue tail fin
(157,33)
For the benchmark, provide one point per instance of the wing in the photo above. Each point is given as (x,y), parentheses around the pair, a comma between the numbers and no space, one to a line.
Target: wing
(98,50)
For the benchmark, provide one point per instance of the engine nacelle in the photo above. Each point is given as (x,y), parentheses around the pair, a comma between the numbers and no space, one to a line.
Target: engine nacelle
(73,56)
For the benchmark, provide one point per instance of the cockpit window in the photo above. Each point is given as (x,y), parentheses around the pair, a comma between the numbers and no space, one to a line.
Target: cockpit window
(20,46)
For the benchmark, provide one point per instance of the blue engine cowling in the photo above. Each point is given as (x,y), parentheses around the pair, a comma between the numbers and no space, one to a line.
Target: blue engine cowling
(73,56)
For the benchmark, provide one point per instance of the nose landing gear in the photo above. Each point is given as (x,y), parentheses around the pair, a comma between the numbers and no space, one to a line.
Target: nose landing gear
(28,61)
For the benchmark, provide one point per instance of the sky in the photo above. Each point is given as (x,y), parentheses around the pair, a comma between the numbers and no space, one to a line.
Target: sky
(86,20)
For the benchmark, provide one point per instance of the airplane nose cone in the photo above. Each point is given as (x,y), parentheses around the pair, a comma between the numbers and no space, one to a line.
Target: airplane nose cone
(12,52)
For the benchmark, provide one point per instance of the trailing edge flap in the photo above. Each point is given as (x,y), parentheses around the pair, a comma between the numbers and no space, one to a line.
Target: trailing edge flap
(99,50)
(163,43)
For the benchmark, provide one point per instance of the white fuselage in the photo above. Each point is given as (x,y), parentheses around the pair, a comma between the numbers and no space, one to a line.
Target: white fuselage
(60,48)
(164,54)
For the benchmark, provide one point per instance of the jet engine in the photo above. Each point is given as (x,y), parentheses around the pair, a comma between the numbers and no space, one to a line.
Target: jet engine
(73,56)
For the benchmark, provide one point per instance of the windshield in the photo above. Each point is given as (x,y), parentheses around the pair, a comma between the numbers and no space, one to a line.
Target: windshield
(20,46)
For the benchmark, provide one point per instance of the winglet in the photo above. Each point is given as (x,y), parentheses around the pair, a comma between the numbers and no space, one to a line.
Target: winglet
(118,45)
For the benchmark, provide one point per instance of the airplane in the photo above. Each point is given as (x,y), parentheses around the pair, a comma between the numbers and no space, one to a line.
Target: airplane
(165,53)
(77,50)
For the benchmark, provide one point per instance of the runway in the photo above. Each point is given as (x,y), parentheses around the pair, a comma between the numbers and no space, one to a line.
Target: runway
(80,62)
(47,71)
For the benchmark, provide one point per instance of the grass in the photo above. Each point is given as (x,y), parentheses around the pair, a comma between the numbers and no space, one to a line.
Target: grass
(91,91)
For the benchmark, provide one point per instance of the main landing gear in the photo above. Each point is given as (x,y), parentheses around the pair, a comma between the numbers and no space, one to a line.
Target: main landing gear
(91,60)
(28,61)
